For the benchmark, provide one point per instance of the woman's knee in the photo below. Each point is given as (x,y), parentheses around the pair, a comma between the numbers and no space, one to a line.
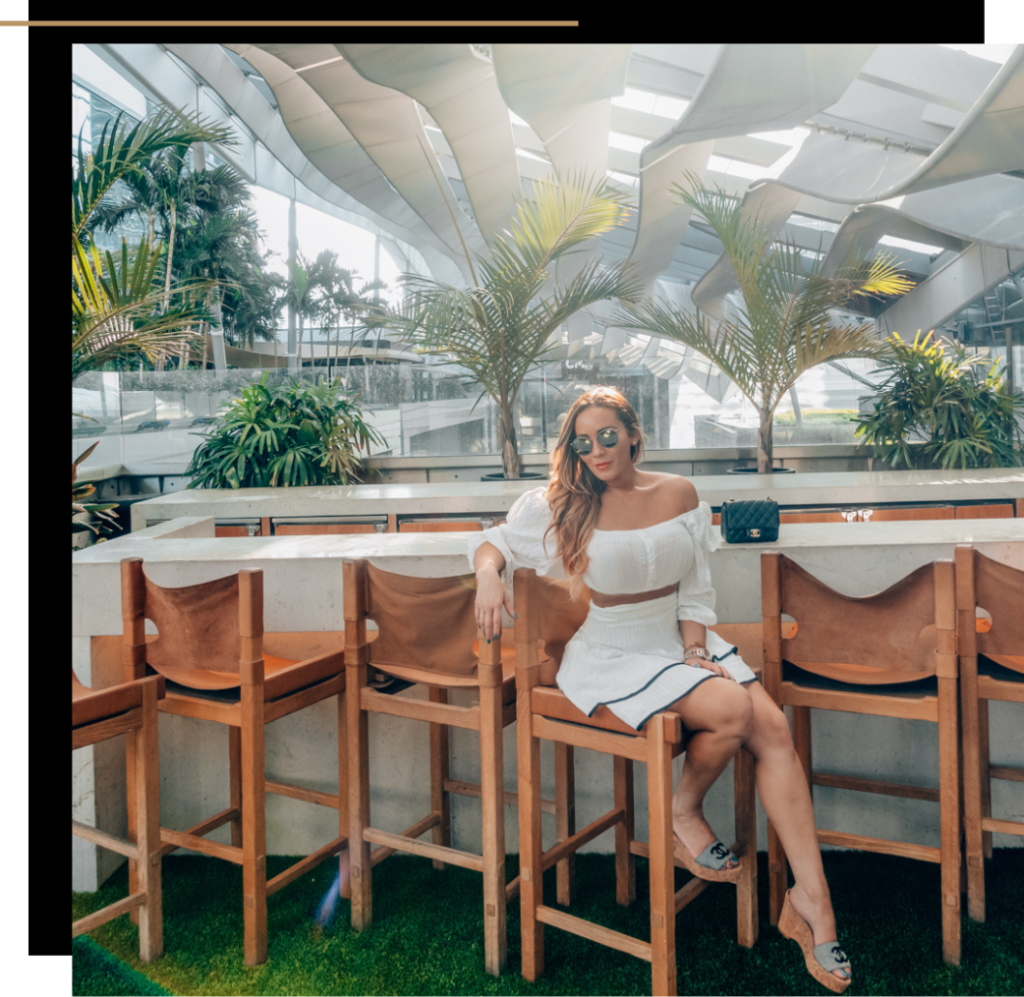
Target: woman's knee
(771,727)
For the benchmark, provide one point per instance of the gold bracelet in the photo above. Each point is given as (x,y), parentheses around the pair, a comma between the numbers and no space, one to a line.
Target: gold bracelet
(697,651)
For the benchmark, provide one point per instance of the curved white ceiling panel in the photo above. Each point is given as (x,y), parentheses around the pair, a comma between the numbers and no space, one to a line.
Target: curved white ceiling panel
(387,125)
(459,89)
(988,210)
(757,87)
(748,88)
(989,139)
(564,93)
(320,173)
(663,219)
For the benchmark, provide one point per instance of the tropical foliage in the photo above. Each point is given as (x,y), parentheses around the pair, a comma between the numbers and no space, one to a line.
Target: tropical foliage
(784,326)
(502,325)
(118,308)
(934,408)
(203,219)
(293,434)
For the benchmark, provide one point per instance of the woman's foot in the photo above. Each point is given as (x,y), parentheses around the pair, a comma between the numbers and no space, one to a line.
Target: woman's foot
(694,837)
(695,833)
(821,923)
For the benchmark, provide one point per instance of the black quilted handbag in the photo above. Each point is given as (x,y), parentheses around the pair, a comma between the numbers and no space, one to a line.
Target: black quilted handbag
(750,520)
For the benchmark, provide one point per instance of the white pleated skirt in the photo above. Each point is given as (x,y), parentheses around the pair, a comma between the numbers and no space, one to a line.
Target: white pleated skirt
(629,658)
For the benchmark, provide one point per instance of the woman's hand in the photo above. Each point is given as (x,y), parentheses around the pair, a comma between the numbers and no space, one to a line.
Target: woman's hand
(491,596)
(715,667)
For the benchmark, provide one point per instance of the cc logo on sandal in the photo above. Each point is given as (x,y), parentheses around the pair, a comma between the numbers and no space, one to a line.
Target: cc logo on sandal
(839,954)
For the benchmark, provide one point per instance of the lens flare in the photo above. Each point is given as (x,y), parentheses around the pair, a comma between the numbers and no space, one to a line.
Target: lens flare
(329,905)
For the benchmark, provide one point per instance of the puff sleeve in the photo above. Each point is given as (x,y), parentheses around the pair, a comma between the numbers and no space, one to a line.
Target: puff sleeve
(521,538)
(696,596)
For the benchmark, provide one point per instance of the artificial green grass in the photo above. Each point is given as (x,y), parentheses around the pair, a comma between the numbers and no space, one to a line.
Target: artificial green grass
(97,971)
(427,935)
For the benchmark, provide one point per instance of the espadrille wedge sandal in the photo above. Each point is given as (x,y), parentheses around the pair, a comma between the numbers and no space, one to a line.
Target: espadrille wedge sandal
(711,862)
(821,959)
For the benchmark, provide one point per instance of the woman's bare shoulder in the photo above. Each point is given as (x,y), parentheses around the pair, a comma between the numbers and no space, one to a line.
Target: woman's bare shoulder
(679,492)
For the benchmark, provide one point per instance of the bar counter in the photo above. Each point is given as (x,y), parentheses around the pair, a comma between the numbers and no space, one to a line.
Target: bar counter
(860,488)
(303,592)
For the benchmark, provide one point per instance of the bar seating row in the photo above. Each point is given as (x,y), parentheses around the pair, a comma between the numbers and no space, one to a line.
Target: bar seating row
(909,651)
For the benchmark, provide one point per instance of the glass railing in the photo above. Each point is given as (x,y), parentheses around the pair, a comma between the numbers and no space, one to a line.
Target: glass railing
(423,410)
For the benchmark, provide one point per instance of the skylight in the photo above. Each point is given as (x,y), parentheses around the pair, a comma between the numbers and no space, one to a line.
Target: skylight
(652,103)
(617,140)
(917,247)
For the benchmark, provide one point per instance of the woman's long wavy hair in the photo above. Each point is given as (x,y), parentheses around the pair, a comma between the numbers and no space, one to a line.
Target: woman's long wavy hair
(574,493)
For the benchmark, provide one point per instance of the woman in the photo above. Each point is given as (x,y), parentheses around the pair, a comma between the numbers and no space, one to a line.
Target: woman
(640,541)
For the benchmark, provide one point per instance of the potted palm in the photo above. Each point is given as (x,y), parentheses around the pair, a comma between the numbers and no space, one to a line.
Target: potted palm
(784,326)
(501,326)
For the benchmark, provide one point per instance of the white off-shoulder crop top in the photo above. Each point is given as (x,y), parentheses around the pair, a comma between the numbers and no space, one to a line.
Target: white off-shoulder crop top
(621,561)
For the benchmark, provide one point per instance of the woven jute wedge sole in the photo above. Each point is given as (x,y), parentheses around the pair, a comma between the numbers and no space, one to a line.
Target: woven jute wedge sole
(792,925)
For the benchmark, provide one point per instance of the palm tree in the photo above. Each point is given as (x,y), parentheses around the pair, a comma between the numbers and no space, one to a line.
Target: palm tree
(175,202)
(501,327)
(118,310)
(785,326)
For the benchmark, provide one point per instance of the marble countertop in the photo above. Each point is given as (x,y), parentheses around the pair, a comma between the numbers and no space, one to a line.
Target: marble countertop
(160,543)
(857,488)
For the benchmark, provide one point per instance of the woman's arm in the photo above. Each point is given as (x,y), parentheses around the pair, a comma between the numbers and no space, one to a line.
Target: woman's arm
(491,593)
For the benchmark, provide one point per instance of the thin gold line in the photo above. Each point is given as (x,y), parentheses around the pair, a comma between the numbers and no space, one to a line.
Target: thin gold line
(291,24)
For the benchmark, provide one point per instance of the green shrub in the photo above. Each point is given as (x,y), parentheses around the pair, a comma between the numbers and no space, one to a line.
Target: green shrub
(293,434)
(957,417)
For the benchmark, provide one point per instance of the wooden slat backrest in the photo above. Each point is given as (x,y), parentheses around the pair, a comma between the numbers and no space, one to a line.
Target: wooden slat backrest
(422,622)
(999,590)
(883,638)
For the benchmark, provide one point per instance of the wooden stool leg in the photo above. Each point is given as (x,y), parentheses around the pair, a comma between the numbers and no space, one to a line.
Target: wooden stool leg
(531,882)
(778,875)
(492,798)
(235,775)
(131,750)
(746,836)
(625,860)
(147,795)
(565,819)
(974,848)
(343,821)
(254,826)
(949,809)
(440,799)
(358,798)
(986,778)
(662,862)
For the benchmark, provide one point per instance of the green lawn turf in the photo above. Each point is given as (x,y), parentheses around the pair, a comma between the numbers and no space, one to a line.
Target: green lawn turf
(427,935)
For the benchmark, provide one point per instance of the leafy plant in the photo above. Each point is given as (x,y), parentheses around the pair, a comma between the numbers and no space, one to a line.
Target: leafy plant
(118,308)
(101,511)
(501,326)
(933,408)
(784,327)
(294,434)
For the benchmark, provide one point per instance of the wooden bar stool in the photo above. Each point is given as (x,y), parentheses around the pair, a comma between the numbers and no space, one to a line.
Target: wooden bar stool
(548,615)
(991,668)
(210,649)
(892,654)
(98,715)
(427,635)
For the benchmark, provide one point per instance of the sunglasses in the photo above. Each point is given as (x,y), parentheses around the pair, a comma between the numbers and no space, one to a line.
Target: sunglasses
(583,445)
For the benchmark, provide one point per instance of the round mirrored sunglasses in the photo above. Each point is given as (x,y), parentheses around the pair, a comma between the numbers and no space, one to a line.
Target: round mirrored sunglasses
(583,444)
